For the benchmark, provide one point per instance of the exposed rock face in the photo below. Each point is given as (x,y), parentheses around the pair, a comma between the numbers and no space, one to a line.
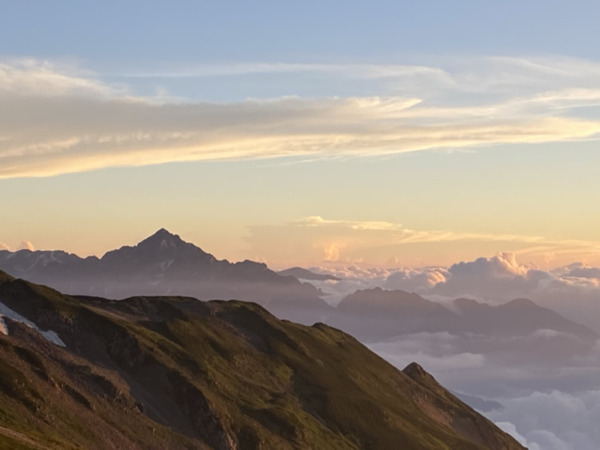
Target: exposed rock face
(201,416)
(445,408)
(179,373)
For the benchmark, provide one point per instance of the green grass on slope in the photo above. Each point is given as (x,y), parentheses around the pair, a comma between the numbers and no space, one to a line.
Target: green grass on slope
(315,387)
(179,373)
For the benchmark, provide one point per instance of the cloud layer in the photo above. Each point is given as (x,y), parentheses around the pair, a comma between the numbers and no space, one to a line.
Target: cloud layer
(547,406)
(554,420)
(57,119)
(573,291)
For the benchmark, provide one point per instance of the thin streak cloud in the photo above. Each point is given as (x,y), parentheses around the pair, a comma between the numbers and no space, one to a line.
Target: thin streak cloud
(316,239)
(55,121)
(346,70)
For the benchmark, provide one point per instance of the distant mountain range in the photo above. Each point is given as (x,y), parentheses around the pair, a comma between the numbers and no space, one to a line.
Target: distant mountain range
(174,372)
(375,314)
(163,264)
(304,274)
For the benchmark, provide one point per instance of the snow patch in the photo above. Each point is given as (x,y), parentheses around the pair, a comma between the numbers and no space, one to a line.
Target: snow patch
(49,335)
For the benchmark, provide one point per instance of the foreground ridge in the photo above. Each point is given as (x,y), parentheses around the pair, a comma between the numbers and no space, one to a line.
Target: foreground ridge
(174,372)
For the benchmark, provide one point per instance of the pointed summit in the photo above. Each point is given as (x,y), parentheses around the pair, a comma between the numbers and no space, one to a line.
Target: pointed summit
(521,303)
(415,370)
(162,264)
(424,378)
(156,254)
(163,238)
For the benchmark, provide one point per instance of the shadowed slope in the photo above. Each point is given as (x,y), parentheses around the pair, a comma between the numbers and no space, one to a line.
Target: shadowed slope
(179,373)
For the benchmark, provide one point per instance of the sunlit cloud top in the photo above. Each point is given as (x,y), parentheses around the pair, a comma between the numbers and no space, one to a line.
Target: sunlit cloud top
(315,240)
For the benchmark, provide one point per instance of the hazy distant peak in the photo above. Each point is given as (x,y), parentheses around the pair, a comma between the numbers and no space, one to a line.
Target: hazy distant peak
(377,302)
(521,303)
(584,272)
(305,274)
(163,232)
(464,303)
(253,263)
(382,295)
(163,238)
(163,263)
(157,254)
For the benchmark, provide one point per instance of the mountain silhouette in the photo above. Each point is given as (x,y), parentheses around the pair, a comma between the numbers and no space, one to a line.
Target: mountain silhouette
(376,314)
(164,264)
(304,274)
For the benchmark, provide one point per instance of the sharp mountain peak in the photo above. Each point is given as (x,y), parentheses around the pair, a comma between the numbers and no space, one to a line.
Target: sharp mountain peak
(161,244)
(163,236)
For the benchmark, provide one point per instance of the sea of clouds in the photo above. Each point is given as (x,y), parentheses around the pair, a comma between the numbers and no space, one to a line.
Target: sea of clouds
(546,404)
(550,396)
(572,290)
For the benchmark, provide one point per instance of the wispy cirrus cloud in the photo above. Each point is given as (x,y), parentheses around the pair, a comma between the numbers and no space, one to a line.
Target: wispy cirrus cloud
(459,73)
(400,234)
(346,70)
(56,119)
(31,78)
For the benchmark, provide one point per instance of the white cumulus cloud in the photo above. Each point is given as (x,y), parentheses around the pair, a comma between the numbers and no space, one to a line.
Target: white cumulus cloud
(26,245)
(571,291)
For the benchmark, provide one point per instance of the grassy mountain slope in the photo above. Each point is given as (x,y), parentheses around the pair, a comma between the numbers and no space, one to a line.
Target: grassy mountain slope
(178,373)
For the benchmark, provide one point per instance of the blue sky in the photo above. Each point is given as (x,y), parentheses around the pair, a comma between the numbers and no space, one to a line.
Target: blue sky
(109,32)
(419,132)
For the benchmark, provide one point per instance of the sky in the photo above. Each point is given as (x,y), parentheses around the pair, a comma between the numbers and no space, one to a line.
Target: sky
(308,133)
